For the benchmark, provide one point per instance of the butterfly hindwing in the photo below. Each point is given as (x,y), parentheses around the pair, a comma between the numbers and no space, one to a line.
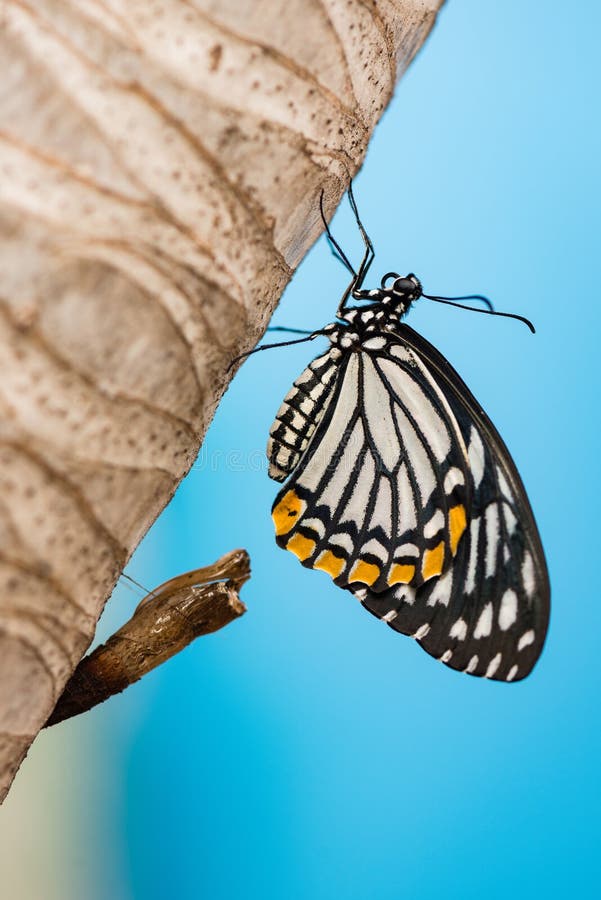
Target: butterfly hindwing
(488,614)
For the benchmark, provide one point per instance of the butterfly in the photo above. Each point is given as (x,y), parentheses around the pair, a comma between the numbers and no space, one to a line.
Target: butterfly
(399,487)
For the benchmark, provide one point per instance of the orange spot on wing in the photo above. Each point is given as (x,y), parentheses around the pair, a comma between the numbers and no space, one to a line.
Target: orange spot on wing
(365,572)
(301,546)
(433,561)
(287,512)
(330,563)
(457,523)
(400,574)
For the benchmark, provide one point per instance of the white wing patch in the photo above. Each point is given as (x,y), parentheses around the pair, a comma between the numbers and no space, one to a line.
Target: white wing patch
(379,417)
(459,630)
(470,581)
(407,502)
(508,612)
(492,538)
(442,590)
(419,407)
(484,624)
(425,476)
(475,454)
(452,479)
(354,511)
(436,524)
(382,514)
(528,574)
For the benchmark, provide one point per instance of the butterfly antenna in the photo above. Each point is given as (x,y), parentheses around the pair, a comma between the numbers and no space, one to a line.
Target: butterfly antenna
(290,330)
(334,245)
(481,297)
(311,337)
(490,312)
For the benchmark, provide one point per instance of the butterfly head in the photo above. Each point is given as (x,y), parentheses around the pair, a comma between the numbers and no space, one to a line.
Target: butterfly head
(403,291)
(396,293)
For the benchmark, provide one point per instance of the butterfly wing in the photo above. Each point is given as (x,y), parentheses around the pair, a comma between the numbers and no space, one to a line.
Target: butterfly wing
(380,493)
(488,613)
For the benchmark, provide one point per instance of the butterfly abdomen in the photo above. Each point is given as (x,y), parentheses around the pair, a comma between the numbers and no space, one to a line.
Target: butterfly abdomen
(298,416)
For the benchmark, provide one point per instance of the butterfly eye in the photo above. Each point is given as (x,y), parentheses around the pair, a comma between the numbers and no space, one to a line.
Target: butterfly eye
(403,286)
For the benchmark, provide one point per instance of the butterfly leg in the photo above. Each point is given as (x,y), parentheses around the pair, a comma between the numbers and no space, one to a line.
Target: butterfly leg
(368,256)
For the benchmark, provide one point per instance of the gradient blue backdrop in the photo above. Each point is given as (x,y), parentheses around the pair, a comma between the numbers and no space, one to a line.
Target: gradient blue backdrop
(307,751)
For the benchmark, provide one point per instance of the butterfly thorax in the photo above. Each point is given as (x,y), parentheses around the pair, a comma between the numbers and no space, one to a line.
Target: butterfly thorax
(385,308)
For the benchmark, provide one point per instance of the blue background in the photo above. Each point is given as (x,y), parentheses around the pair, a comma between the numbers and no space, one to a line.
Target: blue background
(307,751)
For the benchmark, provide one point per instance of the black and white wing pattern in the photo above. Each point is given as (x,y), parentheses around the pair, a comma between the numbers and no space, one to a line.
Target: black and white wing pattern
(300,414)
(402,491)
